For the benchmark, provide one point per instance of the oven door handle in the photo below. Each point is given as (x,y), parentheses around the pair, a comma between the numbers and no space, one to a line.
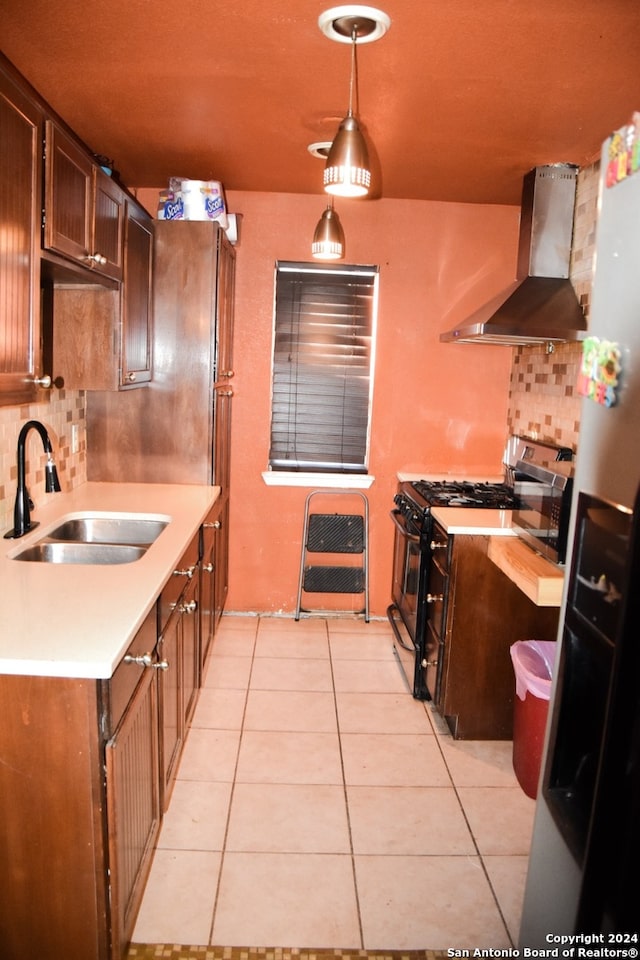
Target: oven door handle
(413,537)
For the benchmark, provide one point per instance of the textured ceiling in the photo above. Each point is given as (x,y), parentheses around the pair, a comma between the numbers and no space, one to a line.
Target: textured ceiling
(458,99)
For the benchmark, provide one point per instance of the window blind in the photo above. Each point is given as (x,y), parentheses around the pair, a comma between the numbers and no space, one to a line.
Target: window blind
(324,318)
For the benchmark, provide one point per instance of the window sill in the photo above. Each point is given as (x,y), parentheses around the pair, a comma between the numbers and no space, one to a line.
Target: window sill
(280,478)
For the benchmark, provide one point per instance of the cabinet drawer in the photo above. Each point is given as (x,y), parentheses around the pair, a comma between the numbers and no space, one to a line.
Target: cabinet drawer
(175,586)
(127,676)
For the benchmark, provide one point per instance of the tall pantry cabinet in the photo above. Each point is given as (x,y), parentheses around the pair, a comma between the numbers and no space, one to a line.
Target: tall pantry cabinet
(177,428)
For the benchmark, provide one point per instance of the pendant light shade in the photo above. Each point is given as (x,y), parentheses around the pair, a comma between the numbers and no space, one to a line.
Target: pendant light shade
(347,172)
(328,239)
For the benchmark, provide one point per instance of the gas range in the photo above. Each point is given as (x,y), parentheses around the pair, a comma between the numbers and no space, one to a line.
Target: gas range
(415,498)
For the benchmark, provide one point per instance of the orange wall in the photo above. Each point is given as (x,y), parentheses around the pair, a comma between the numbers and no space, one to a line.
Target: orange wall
(437,407)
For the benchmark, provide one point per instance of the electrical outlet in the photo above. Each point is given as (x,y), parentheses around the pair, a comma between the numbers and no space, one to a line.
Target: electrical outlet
(75,442)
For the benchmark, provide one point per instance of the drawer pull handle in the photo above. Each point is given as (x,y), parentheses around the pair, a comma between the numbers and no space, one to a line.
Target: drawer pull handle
(146,660)
(434,597)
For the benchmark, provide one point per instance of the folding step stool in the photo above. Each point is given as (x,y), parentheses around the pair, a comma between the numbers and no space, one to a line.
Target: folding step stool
(334,533)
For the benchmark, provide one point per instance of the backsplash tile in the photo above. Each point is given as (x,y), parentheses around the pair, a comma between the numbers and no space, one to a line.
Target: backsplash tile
(543,401)
(64,409)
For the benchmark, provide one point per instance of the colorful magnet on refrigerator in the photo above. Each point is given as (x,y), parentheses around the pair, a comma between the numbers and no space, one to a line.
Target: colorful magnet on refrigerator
(600,370)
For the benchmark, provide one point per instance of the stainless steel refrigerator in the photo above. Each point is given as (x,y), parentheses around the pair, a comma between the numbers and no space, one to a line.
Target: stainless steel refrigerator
(583,866)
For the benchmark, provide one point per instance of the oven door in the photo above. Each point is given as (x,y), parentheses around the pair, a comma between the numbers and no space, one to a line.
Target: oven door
(407,557)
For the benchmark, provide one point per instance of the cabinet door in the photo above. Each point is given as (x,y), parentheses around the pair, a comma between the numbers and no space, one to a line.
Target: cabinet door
(136,299)
(108,225)
(171,723)
(68,196)
(223,392)
(20,158)
(84,208)
(190,624)
(210,529)
(221,564)
(133,806)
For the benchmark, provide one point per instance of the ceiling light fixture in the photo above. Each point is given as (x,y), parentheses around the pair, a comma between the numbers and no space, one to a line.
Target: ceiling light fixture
(320,149)
(328,239)
(347,173)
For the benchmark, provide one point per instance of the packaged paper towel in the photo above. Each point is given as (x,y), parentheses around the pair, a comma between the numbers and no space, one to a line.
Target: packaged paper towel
(193,200)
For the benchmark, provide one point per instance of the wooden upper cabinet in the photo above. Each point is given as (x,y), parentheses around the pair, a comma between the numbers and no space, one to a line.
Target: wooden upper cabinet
(84,208)
(136,298)
(102,337)
(21,124)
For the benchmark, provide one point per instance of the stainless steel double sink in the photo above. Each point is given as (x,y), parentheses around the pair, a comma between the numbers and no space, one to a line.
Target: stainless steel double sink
(105,539)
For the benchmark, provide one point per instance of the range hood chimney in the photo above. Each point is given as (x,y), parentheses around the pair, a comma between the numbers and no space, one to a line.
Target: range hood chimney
(541,305)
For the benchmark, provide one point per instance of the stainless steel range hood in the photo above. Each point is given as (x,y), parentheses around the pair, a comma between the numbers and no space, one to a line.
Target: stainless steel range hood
(540,306)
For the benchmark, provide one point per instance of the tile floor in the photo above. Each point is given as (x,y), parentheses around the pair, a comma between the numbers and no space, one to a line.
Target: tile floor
(318,805)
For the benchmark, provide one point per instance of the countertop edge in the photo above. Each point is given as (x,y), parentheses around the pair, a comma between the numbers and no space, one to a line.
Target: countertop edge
(539,579)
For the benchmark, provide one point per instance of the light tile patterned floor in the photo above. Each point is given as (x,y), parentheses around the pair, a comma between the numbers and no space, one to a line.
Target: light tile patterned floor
(318,805)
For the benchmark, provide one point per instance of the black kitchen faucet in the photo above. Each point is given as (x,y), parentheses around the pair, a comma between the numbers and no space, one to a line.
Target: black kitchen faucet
(22,510)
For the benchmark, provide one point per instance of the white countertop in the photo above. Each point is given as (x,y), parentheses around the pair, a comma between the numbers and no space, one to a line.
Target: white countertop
(72,620)
(489,523)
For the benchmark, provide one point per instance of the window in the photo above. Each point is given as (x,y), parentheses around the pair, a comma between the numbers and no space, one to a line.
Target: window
(322,363)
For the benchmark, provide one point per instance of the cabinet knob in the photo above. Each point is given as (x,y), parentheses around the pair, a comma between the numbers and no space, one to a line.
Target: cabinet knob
(207,568)
(227,373)
(428,663)
(434,597)
(189,607)
(45,382)
(434,545)
(130,377)
(97,258)
(212,526)
(184,573)
(144,660)
(224,393)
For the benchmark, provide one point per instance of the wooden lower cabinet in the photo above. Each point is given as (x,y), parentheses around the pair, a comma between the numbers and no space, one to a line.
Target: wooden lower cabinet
(133,807)
(485,613)
(214,573)
(53,857)
(178,646)
(131,717)
(86,770)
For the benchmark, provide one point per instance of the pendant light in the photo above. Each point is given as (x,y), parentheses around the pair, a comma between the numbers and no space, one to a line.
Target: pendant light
(347,172)
(328,239)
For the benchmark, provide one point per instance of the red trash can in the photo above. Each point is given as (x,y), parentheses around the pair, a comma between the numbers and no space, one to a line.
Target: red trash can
(533,663)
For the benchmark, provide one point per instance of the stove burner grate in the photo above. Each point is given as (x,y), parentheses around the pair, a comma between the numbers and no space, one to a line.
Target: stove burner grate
(464,493)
